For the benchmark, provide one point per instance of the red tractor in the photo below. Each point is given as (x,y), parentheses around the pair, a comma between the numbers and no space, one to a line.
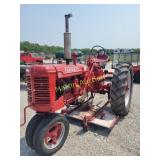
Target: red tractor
(57,90)
(30,58)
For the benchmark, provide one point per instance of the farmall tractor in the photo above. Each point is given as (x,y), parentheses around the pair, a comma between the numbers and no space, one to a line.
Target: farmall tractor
(59,91)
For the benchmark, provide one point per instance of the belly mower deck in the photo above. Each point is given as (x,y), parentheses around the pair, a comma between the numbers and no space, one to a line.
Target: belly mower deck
(108,120)
(99,114)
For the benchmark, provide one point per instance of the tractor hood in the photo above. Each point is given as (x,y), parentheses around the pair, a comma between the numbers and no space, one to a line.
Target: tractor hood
(62,70)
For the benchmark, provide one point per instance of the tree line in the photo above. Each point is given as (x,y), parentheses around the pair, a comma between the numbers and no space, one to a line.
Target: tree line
(50,50)
(35,47)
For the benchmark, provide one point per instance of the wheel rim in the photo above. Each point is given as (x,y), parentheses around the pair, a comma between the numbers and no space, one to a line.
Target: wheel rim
(128,89)
(54,135)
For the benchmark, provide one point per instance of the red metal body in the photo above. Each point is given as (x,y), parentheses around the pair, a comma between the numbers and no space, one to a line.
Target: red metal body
(44,80)
(30,58)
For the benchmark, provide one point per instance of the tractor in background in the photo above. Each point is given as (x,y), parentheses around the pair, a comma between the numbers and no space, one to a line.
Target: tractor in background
(132,58)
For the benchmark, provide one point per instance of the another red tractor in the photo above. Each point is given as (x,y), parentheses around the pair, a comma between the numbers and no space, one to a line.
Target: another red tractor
(31,58)
(55,91)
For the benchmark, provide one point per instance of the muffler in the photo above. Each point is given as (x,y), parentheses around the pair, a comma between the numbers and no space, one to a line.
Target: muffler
(67,39)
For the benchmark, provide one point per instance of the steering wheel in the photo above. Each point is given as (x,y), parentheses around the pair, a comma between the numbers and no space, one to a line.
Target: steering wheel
(97,46)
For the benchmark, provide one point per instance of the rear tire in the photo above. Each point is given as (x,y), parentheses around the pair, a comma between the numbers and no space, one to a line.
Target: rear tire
(47,138)
(121,89)
(31,127)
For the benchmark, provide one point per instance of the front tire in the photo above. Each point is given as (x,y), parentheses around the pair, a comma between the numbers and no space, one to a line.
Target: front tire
(121,89)
(50,135)
(31,127)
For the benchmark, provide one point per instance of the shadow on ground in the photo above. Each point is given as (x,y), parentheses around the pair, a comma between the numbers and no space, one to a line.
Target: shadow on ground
(92,128)
(25,150)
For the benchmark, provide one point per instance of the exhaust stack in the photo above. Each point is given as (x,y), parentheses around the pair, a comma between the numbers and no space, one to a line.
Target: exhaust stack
(67,39)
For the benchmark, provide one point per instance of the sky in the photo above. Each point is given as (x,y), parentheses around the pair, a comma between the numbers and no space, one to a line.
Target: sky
(108,25)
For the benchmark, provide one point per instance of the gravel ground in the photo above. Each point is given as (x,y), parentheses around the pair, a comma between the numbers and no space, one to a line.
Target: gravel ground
(122,140)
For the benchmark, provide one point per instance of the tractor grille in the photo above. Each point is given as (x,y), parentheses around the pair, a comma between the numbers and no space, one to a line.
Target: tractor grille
(40,90)
(41,86)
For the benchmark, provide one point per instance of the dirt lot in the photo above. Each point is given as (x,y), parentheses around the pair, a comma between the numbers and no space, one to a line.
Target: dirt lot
(124,139)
